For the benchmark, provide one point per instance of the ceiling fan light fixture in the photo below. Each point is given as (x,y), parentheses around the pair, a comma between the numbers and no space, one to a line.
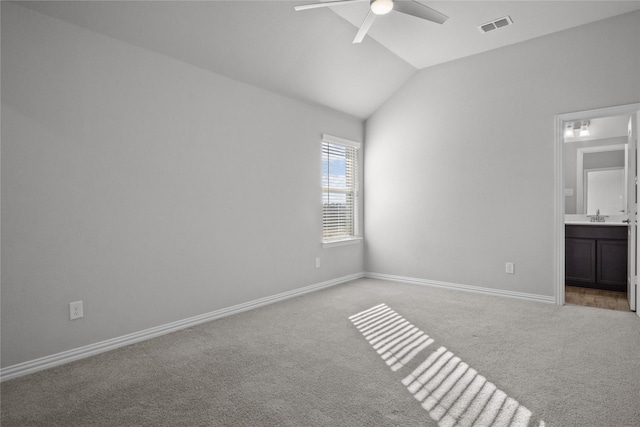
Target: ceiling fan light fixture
(381,7)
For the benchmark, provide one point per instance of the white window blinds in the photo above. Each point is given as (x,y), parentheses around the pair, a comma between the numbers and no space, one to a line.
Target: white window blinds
(339,188)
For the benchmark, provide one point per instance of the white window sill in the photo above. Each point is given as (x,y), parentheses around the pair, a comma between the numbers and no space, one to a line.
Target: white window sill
(341,242)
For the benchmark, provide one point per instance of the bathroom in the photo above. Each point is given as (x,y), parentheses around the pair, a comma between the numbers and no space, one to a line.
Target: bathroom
(599,169)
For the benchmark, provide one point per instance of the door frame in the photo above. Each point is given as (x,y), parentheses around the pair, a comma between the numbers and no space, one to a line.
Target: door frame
(559,206)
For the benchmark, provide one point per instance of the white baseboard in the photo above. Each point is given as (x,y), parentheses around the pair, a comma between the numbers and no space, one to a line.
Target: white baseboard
(468,288)
(46,362)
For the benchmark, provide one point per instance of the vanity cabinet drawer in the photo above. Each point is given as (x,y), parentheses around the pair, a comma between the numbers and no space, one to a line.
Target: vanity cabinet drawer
(614,232)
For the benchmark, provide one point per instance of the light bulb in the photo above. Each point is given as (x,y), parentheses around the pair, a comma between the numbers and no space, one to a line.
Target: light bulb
(381,7)
(569,132)
(584,129)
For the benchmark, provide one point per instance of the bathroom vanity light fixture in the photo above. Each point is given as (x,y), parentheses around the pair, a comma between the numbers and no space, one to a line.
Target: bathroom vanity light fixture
(584,129)
(568,132)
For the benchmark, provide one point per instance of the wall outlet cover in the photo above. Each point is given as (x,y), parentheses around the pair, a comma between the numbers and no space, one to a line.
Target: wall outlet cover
(75,310)
(510,268)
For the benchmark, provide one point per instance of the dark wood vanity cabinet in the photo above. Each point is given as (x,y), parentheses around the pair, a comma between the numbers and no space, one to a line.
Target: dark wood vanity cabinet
(596,256)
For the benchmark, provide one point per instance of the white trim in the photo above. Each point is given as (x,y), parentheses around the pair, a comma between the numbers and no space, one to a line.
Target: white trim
(340,141)
(341,242)
(46,362)
(559,209)
(598,113)
(457,286)
(559,180)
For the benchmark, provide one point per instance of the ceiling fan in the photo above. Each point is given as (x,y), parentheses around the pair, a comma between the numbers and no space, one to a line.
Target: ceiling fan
(382,7)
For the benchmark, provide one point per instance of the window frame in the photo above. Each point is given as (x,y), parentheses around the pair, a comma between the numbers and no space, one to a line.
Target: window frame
(356,237)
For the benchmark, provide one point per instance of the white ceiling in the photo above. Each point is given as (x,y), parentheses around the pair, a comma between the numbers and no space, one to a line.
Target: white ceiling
(423,44)
(308,55)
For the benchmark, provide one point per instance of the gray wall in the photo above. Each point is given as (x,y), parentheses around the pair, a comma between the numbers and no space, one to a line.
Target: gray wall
(607,159)
(150,189)
(570,162)
(460,162)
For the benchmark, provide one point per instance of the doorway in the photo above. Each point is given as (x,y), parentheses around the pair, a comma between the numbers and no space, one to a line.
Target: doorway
(595,150)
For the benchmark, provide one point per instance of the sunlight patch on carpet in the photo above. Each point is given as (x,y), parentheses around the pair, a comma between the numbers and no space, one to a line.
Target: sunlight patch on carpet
(453,393)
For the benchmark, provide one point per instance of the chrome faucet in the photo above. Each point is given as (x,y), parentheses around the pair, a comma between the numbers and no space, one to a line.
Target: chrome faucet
(597,217)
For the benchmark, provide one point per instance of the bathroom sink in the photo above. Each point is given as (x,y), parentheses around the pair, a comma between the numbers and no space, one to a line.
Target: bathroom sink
(583,222)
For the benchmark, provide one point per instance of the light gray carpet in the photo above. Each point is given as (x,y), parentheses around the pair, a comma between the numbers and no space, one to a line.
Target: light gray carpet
(303,362)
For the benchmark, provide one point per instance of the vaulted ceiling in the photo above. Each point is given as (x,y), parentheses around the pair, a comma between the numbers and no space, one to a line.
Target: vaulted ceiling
(308,55)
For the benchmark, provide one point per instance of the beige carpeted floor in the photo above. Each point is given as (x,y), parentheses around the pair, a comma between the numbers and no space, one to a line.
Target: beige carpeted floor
(303,362)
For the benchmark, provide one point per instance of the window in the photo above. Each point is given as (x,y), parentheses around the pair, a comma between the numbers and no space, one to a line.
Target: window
(339,190)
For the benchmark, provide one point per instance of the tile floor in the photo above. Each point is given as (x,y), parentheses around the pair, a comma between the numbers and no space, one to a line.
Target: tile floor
(596,298)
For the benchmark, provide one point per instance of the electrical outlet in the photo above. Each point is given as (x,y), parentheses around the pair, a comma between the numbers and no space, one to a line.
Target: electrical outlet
(317,262)
(510,268)
(75,310)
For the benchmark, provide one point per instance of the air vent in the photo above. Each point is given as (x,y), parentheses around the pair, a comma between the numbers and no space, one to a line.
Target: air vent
(494,25)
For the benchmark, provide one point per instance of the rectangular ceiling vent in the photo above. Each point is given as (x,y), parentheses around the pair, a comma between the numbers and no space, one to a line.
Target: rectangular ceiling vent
(494,25)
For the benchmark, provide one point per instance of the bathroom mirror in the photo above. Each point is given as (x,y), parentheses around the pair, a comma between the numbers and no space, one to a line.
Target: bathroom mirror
(595,175)
(605,191)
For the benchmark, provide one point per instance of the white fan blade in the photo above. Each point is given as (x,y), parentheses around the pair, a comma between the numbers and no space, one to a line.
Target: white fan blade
(419,10)
(364,28)
(324,4)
